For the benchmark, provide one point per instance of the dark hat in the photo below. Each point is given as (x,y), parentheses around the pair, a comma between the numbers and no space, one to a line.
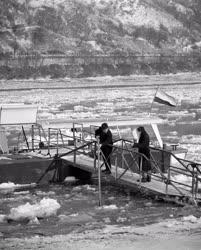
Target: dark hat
(140,129)
(104,126)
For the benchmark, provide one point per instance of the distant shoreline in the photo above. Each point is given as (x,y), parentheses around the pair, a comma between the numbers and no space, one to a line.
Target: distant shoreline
(102,82)
(103,86)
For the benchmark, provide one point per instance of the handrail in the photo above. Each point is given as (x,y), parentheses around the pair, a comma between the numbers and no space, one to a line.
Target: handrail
(76,149)
(163,177)
(135,155)
(177,158)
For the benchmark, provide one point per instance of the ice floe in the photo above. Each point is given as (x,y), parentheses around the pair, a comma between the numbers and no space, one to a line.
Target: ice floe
(12,186)
(8,185)
(45,208)
(191,218)
(109,207)
(70,179)
(5,158)
(41,193)
(89,188)
(2,218)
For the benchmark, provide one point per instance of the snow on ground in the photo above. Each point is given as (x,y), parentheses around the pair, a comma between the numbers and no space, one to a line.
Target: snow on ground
(169,234)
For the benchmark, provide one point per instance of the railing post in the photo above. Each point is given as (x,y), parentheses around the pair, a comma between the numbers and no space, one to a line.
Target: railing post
(95,154)
(82,133)
(39,131)
(193,183)
(32,137)
(122,151)
(116,173)
(99,175)
(75,144)
(57,142)
(167,181)
(196,183)
(49,141)
(61,137)
(141,169)
(74,134)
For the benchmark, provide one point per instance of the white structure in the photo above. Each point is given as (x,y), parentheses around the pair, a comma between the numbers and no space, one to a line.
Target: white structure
(15,114)
(18,114)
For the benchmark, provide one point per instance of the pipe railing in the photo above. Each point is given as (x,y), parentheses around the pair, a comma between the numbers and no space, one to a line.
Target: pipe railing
(124,157)
(179,186)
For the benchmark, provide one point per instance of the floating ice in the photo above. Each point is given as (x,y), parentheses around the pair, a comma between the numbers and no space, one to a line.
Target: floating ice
(191,218)
(107,220)
(90,188)
(5,158)
(2,218)
(77,189)
(41,193)
(8,185)
(109,207)
(21,193)
(45,208)
(121,219)
(11,185)
(34,221)
(70,179)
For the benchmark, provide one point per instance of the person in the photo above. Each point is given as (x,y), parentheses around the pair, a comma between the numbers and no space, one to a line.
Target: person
(143,148)
(106,141)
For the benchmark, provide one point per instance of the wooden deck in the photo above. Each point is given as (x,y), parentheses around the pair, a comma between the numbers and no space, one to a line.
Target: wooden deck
(131,179)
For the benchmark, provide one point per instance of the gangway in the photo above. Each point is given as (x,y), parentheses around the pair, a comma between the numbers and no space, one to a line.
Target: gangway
(126,169)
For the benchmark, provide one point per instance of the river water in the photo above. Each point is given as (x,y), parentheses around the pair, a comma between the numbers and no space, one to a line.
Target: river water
(79,203)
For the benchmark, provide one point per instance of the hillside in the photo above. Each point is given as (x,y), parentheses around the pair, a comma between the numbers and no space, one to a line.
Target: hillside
(100,27)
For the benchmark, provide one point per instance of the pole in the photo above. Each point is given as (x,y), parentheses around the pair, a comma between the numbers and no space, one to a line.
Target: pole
(99,176)
(57,142)
(39,131)
(48,141)
(119,133)
(32,135)
(95,154)
(25,137)
(116,174)
(167,181)
(153,100)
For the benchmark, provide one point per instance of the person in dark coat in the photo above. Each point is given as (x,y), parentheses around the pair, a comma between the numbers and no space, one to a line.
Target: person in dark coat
(143,148)
(106,141)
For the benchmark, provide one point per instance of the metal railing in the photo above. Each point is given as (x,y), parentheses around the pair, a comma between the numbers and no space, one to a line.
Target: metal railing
(123,157)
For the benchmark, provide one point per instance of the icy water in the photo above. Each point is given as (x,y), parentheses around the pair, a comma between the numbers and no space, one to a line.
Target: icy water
(79,210)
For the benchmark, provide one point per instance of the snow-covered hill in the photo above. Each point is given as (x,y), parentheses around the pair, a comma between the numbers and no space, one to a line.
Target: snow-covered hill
(100,26)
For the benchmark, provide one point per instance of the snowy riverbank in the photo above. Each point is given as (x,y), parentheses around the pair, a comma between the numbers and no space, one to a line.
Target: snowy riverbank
(179,234)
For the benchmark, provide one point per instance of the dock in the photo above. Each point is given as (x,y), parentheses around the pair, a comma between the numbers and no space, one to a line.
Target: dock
(79,155)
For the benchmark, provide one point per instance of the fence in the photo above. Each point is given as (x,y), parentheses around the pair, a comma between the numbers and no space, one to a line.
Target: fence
(124,158)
